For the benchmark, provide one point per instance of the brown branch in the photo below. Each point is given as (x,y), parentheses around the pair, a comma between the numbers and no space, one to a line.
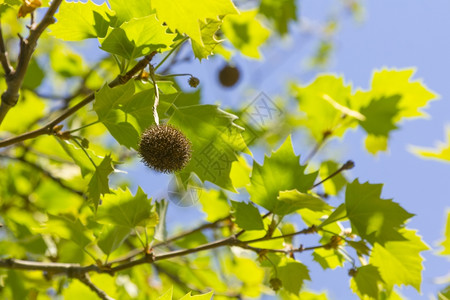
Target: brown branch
(349,164)
(4,60)
(76,270)
(15,78)
(189,232)
(48,128)
(87,281)
(45,173)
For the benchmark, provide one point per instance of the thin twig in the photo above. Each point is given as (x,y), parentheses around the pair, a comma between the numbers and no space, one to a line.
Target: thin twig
(15,78)
(4,54)
(347,166)
(45,173)
(48,128)
(84,278)
(189,232)
(76,270)
(132,254)
(326,134)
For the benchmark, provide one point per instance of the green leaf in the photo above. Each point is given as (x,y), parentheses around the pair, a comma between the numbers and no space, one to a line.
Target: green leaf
(167,295)
(79,157)
(323,103)
(208,31)
(69,229)
(389,82)
(366,281)
(206,296)
(247,216)
(79,21)
(400,262)
(360,247)
(127,10)
(33,76)
(216,140)
(124,209)
(112,238)
(380,114)
(66,62)
(16,282)
(281,12)
(290,201)
(446,242)
(185,15)
(107,103)
(444,294)
(375,144)
(372,218)
(440,152)
(280,172)
(328,258)
(248,272)
(245,32)
(99,185)
(138,37)
(292,274)
(214,204)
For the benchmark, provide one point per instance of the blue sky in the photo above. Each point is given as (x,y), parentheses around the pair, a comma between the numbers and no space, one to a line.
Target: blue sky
(398,34)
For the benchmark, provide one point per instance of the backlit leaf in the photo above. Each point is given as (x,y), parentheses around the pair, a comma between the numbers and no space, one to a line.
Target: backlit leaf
(78,21)
(400,262)
(373,218)
(280,172)
(185,15)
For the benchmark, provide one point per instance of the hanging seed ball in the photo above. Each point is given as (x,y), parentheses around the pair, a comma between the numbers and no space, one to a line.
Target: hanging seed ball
(164,148)
(229,75)
(193,81)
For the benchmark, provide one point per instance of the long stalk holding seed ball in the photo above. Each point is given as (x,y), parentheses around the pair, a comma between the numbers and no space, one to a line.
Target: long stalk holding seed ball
(155,105)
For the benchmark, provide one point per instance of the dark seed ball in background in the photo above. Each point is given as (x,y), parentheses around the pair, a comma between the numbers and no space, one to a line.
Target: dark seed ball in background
(229,75)
(164,148)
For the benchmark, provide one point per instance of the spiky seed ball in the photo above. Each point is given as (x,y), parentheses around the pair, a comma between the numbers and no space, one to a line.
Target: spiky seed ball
(193,81)
(164,148)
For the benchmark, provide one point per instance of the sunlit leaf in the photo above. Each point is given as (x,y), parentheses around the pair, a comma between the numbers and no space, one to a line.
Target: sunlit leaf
(280,172)
(245,32)
(138,37)
(184,15)
(400,262)
(373,218)
(99,183)
(366,281)
(216,140)
(78,21)
(124,209)
(279,12)
(247,216)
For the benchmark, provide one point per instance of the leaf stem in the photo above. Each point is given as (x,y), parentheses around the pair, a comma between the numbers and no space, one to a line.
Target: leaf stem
(48,128)
(349,164)
(84,126)
(171,51)
(84,150)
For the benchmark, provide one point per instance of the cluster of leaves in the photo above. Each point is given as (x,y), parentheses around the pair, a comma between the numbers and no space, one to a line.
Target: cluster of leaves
(58,208)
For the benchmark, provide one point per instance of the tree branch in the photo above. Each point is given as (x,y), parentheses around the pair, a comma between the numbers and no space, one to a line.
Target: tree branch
(15,78)
(4,60)
(78,271)
(87,281)
(48,128)
(45,172)
(349,164)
